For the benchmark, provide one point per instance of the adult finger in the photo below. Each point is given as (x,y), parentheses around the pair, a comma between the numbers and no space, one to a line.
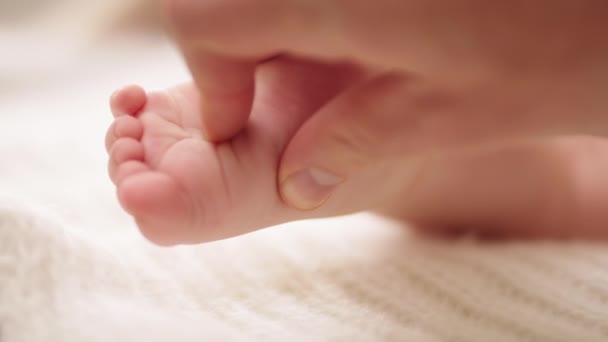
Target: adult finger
(459,39)
(397,116)
(226,83)
(553,188)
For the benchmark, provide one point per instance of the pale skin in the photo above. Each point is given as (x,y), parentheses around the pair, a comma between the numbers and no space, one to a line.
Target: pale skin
(467,115)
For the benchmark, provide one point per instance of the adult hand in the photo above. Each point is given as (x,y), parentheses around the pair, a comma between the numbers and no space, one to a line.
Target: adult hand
(441,77)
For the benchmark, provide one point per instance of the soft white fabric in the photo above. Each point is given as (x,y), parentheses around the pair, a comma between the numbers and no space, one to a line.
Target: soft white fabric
(73,268)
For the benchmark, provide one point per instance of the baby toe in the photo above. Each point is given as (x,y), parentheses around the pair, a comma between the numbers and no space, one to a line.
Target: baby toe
(124,127)
(125,149)
(128,100)
(110,138)
(128,127)
(120,172)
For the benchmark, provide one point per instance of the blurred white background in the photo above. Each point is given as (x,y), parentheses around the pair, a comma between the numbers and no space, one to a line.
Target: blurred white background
(59,62)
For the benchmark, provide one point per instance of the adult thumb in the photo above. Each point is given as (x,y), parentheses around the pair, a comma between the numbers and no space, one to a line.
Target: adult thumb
(347,152)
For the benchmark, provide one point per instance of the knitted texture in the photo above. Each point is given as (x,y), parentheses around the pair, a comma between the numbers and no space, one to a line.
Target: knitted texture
(78,271)
(356,278)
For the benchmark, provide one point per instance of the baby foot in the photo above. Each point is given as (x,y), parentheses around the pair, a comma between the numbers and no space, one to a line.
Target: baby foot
(172,180)
(181,188)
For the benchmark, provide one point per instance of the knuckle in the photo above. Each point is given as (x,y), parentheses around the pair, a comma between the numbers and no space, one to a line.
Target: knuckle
(358,143)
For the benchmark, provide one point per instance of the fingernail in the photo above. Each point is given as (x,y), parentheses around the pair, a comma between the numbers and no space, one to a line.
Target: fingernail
(308,189)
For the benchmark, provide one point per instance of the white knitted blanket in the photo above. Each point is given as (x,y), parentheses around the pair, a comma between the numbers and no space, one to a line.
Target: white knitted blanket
(77,271)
